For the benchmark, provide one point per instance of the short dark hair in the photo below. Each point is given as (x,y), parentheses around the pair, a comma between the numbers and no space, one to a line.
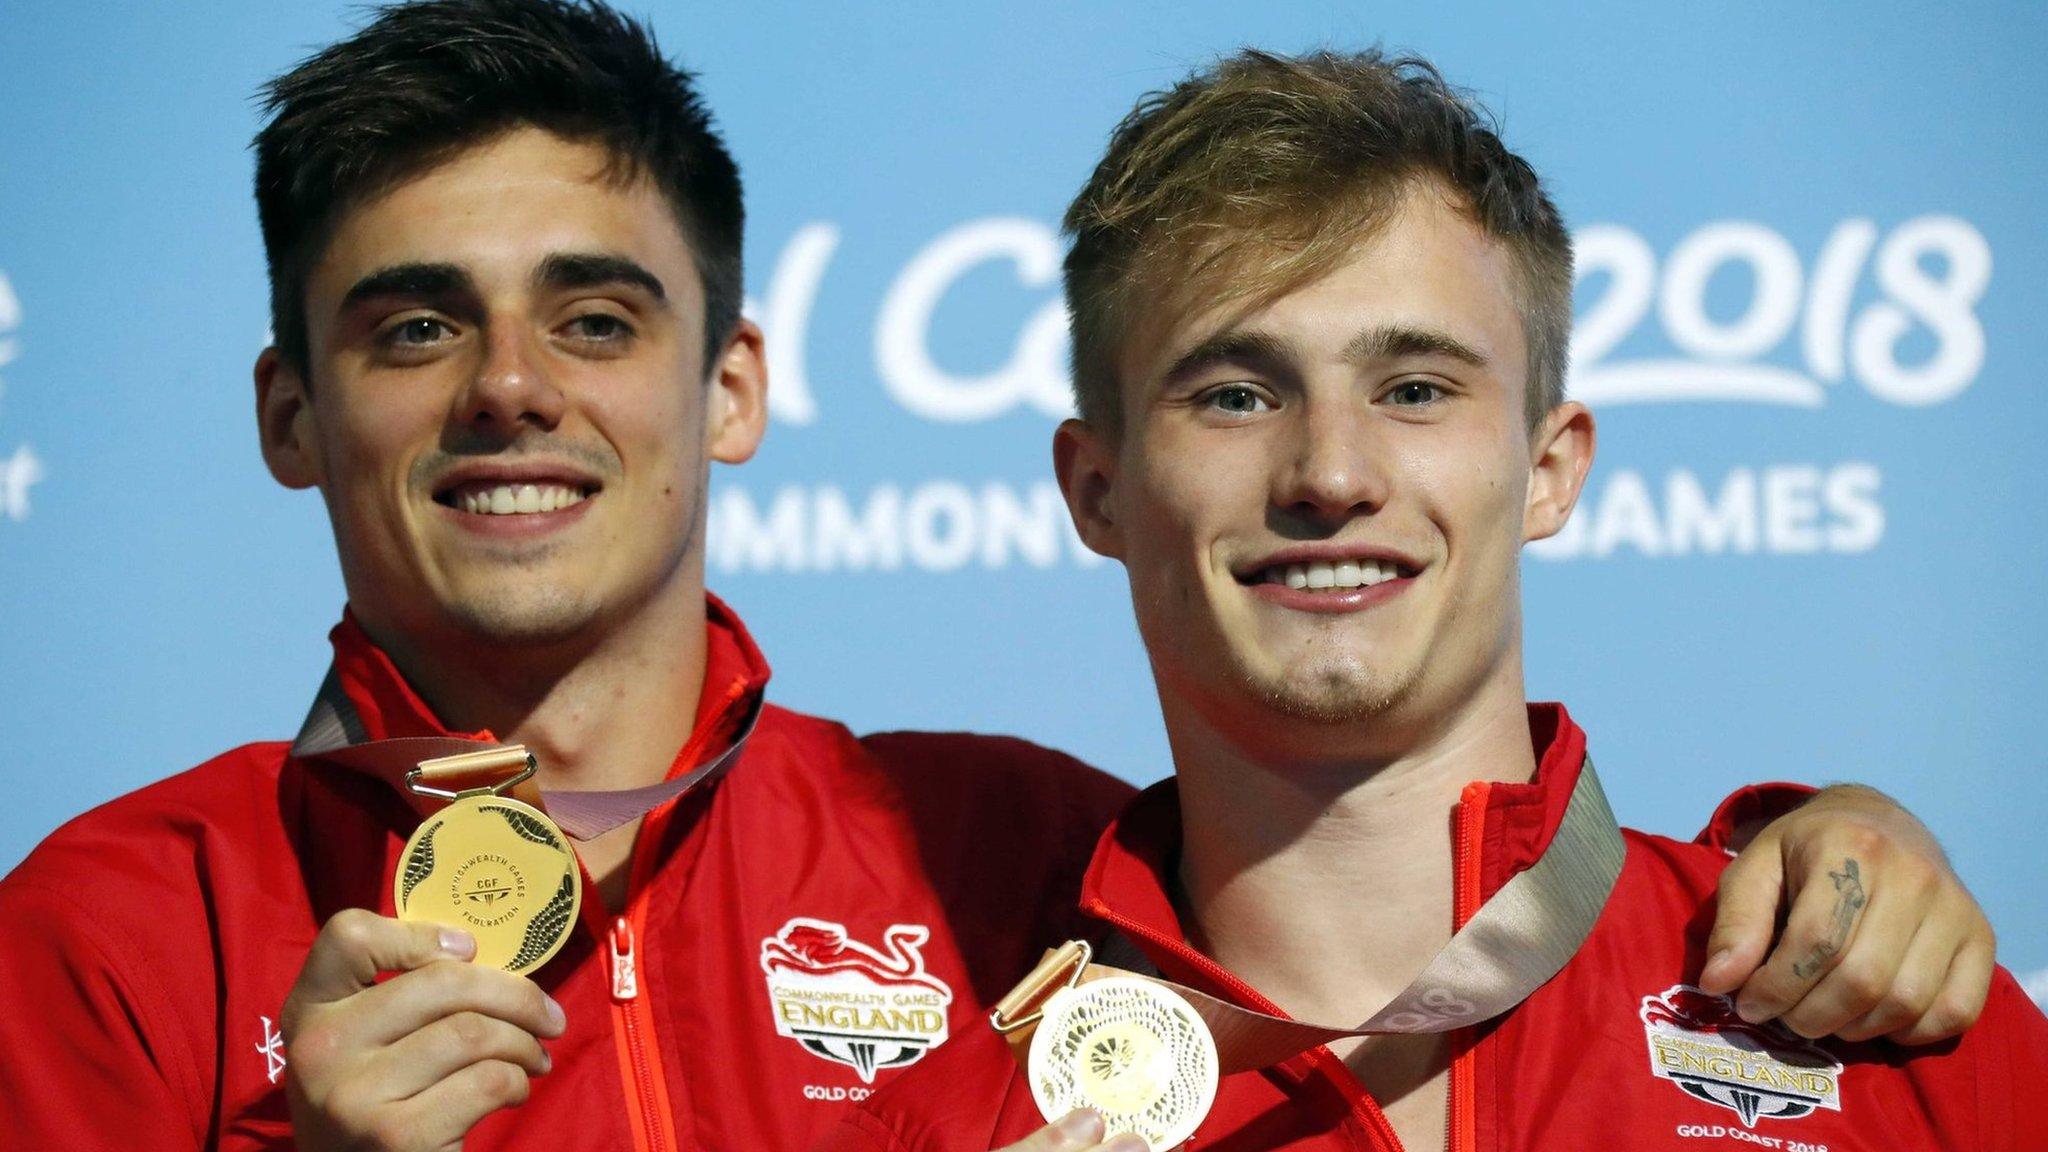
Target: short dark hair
(1258,174)
(423,81)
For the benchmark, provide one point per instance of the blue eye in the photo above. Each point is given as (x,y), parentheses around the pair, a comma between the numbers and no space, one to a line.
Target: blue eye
(1414,393)
(1236,400)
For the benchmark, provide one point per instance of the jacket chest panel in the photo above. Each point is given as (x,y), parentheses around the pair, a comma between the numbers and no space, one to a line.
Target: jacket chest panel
(785,991)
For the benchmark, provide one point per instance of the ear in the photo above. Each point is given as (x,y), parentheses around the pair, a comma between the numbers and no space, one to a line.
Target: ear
(1085,462)
(736,408)
(1561,453)
(284,417)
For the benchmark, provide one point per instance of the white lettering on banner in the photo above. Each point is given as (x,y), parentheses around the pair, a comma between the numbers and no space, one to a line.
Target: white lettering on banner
(785,320)
(22,469)
(1719,359)
(10,319)
(1726,357)
(17,473)
(1893,310)
(1784,509)
(936,526)
(1036,373)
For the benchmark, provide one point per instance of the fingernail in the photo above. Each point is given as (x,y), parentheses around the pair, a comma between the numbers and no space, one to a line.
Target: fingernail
(547,1062)
(556,1016)
(1080,1127)
(1127,1142)
(457,943)
(1719,958)
(1751,1011)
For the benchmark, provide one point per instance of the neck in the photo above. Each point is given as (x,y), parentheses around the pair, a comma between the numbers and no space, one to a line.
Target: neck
(1328,885)
(598,712)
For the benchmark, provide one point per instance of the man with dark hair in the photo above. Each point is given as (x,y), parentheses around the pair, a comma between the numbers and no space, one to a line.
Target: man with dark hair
(505,255)
(428,80)
(1320,316)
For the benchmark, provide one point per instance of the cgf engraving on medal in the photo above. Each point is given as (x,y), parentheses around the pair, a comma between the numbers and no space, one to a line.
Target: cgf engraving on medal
(480,885)
(498,868)
(1132,1050)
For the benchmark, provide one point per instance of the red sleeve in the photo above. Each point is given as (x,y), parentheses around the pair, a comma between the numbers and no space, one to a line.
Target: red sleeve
(87,1056)
(2011,1069)
(1746,810)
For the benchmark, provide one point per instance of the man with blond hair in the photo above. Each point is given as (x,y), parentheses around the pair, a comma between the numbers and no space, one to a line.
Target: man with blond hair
(1320,318)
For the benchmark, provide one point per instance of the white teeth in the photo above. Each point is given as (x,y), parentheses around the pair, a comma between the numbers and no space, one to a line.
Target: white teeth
(1319,575)
(517,499)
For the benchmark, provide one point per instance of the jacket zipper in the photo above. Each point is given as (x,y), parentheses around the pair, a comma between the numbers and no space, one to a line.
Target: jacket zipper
(633,1026)
(633,1029)
(640,1054)
(633,1019)
(1468,823)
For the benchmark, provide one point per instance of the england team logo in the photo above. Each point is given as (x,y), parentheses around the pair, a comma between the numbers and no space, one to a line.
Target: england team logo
(1758,1072)
(865,1007)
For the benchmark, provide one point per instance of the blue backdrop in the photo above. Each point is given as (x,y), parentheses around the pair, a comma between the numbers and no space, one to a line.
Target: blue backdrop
(1809,321)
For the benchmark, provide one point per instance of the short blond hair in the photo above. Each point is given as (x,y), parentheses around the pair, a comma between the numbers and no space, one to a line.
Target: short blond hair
(1260,173)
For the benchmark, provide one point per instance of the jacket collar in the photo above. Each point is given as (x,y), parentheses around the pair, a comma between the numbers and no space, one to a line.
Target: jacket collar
(735,676)
(1130,881)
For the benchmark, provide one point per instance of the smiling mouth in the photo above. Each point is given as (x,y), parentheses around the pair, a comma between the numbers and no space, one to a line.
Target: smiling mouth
(1329,575)
(487,498)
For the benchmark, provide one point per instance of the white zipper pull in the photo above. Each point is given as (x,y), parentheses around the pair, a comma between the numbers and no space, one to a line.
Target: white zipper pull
(625,976)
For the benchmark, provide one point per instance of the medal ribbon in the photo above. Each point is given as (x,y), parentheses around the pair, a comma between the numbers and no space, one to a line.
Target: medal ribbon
(1515,943)
(334,732)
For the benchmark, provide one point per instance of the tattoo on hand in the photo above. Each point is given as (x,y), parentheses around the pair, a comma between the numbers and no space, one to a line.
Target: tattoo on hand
(1849,902)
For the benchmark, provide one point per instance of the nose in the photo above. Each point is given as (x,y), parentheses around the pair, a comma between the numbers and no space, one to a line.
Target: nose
(1336,469)
(511,387)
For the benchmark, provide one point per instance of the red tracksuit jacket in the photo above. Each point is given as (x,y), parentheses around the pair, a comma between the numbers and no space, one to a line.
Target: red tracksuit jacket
(798,932)
(1616,1052)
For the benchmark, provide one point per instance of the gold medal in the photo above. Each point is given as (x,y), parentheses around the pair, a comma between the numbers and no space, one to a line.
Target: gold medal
(491,865)
(1134,1051)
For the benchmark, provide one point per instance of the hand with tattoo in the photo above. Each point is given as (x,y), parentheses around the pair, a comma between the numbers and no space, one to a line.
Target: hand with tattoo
(1878,937)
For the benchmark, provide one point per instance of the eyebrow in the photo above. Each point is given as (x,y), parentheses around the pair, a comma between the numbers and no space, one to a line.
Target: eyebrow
(1252,349)
(418,279)
(559,271)
(1395,341)
(1255,349)
(593,270)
